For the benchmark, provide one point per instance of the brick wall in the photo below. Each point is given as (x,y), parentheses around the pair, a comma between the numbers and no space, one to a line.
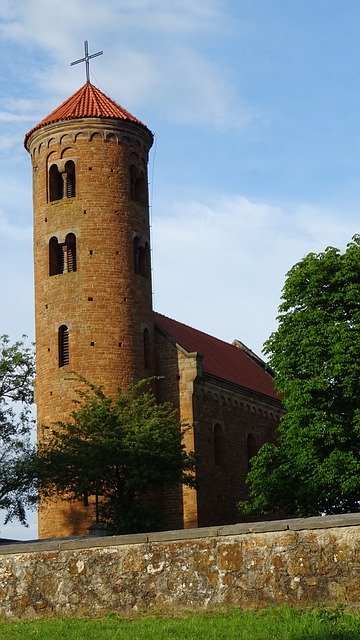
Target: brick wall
(202,403)
(105,304)
(235,414)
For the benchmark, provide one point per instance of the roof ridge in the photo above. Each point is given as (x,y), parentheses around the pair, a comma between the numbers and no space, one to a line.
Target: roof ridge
(95,96)
(221,360)
(205,333)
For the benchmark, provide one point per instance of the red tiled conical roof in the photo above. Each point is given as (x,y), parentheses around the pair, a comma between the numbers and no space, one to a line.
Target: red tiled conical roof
(87,102)
(220,359)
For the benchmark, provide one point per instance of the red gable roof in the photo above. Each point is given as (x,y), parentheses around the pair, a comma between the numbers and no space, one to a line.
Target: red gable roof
(87,102)
(220,359)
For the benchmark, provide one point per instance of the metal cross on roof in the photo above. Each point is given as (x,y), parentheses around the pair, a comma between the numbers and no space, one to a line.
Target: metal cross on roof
(86,59)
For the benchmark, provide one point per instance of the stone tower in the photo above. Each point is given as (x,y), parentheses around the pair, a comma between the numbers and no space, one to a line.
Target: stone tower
(93,299)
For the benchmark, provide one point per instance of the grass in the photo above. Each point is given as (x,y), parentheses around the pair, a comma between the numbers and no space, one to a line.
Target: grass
(282,623)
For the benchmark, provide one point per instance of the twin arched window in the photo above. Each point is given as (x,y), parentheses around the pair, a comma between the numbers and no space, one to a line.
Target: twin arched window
(62,256)
(62,184)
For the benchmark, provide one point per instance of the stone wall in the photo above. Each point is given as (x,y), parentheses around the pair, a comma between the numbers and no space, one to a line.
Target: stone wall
(299,562)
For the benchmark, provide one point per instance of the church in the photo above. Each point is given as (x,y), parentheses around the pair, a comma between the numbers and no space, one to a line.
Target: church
(94,314)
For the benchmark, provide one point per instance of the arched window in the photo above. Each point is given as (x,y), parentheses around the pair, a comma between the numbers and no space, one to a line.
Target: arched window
(56,257)
(62,184)
(141,189)
(56,185)
(70,179)
(133,174)
(70,242)
(144,260)
(136,255)
(138,186)
(219,444)
(147,359)
(141,257)
(63,340)
(62,257)
(251,448)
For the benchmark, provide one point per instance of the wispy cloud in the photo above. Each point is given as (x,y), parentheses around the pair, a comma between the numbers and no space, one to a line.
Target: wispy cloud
(23,106)
(33,19)
(228,259)
(8,142)
(191,89)
(7,116)
(18,234)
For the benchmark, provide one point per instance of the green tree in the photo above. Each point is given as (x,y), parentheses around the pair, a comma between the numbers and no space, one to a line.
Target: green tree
(17,486)
(122,449)
(315,353)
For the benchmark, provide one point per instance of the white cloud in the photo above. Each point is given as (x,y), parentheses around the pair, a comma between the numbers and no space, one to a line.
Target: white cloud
(179,16)
(16,233)
(34,19)
(8,142)
(221,266)
(198,92)
(7,10)
(6,116)
(152,51)
(23,106)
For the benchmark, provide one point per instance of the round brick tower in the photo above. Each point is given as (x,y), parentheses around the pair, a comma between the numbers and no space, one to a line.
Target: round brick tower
(93,300)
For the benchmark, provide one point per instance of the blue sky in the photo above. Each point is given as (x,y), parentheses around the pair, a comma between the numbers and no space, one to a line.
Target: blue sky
(255,109)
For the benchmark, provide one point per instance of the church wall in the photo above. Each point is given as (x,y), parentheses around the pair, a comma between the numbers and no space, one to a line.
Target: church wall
(223,461)
(167,390)
(203,403)
(178,371)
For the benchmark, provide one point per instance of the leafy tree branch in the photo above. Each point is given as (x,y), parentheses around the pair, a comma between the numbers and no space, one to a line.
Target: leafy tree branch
(123,449)
(315,353)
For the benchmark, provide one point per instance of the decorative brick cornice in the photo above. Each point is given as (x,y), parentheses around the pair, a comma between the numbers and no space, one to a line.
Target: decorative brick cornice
(122,132)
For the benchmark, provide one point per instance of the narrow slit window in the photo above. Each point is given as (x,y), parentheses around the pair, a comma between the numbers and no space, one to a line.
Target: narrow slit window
(63,338)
